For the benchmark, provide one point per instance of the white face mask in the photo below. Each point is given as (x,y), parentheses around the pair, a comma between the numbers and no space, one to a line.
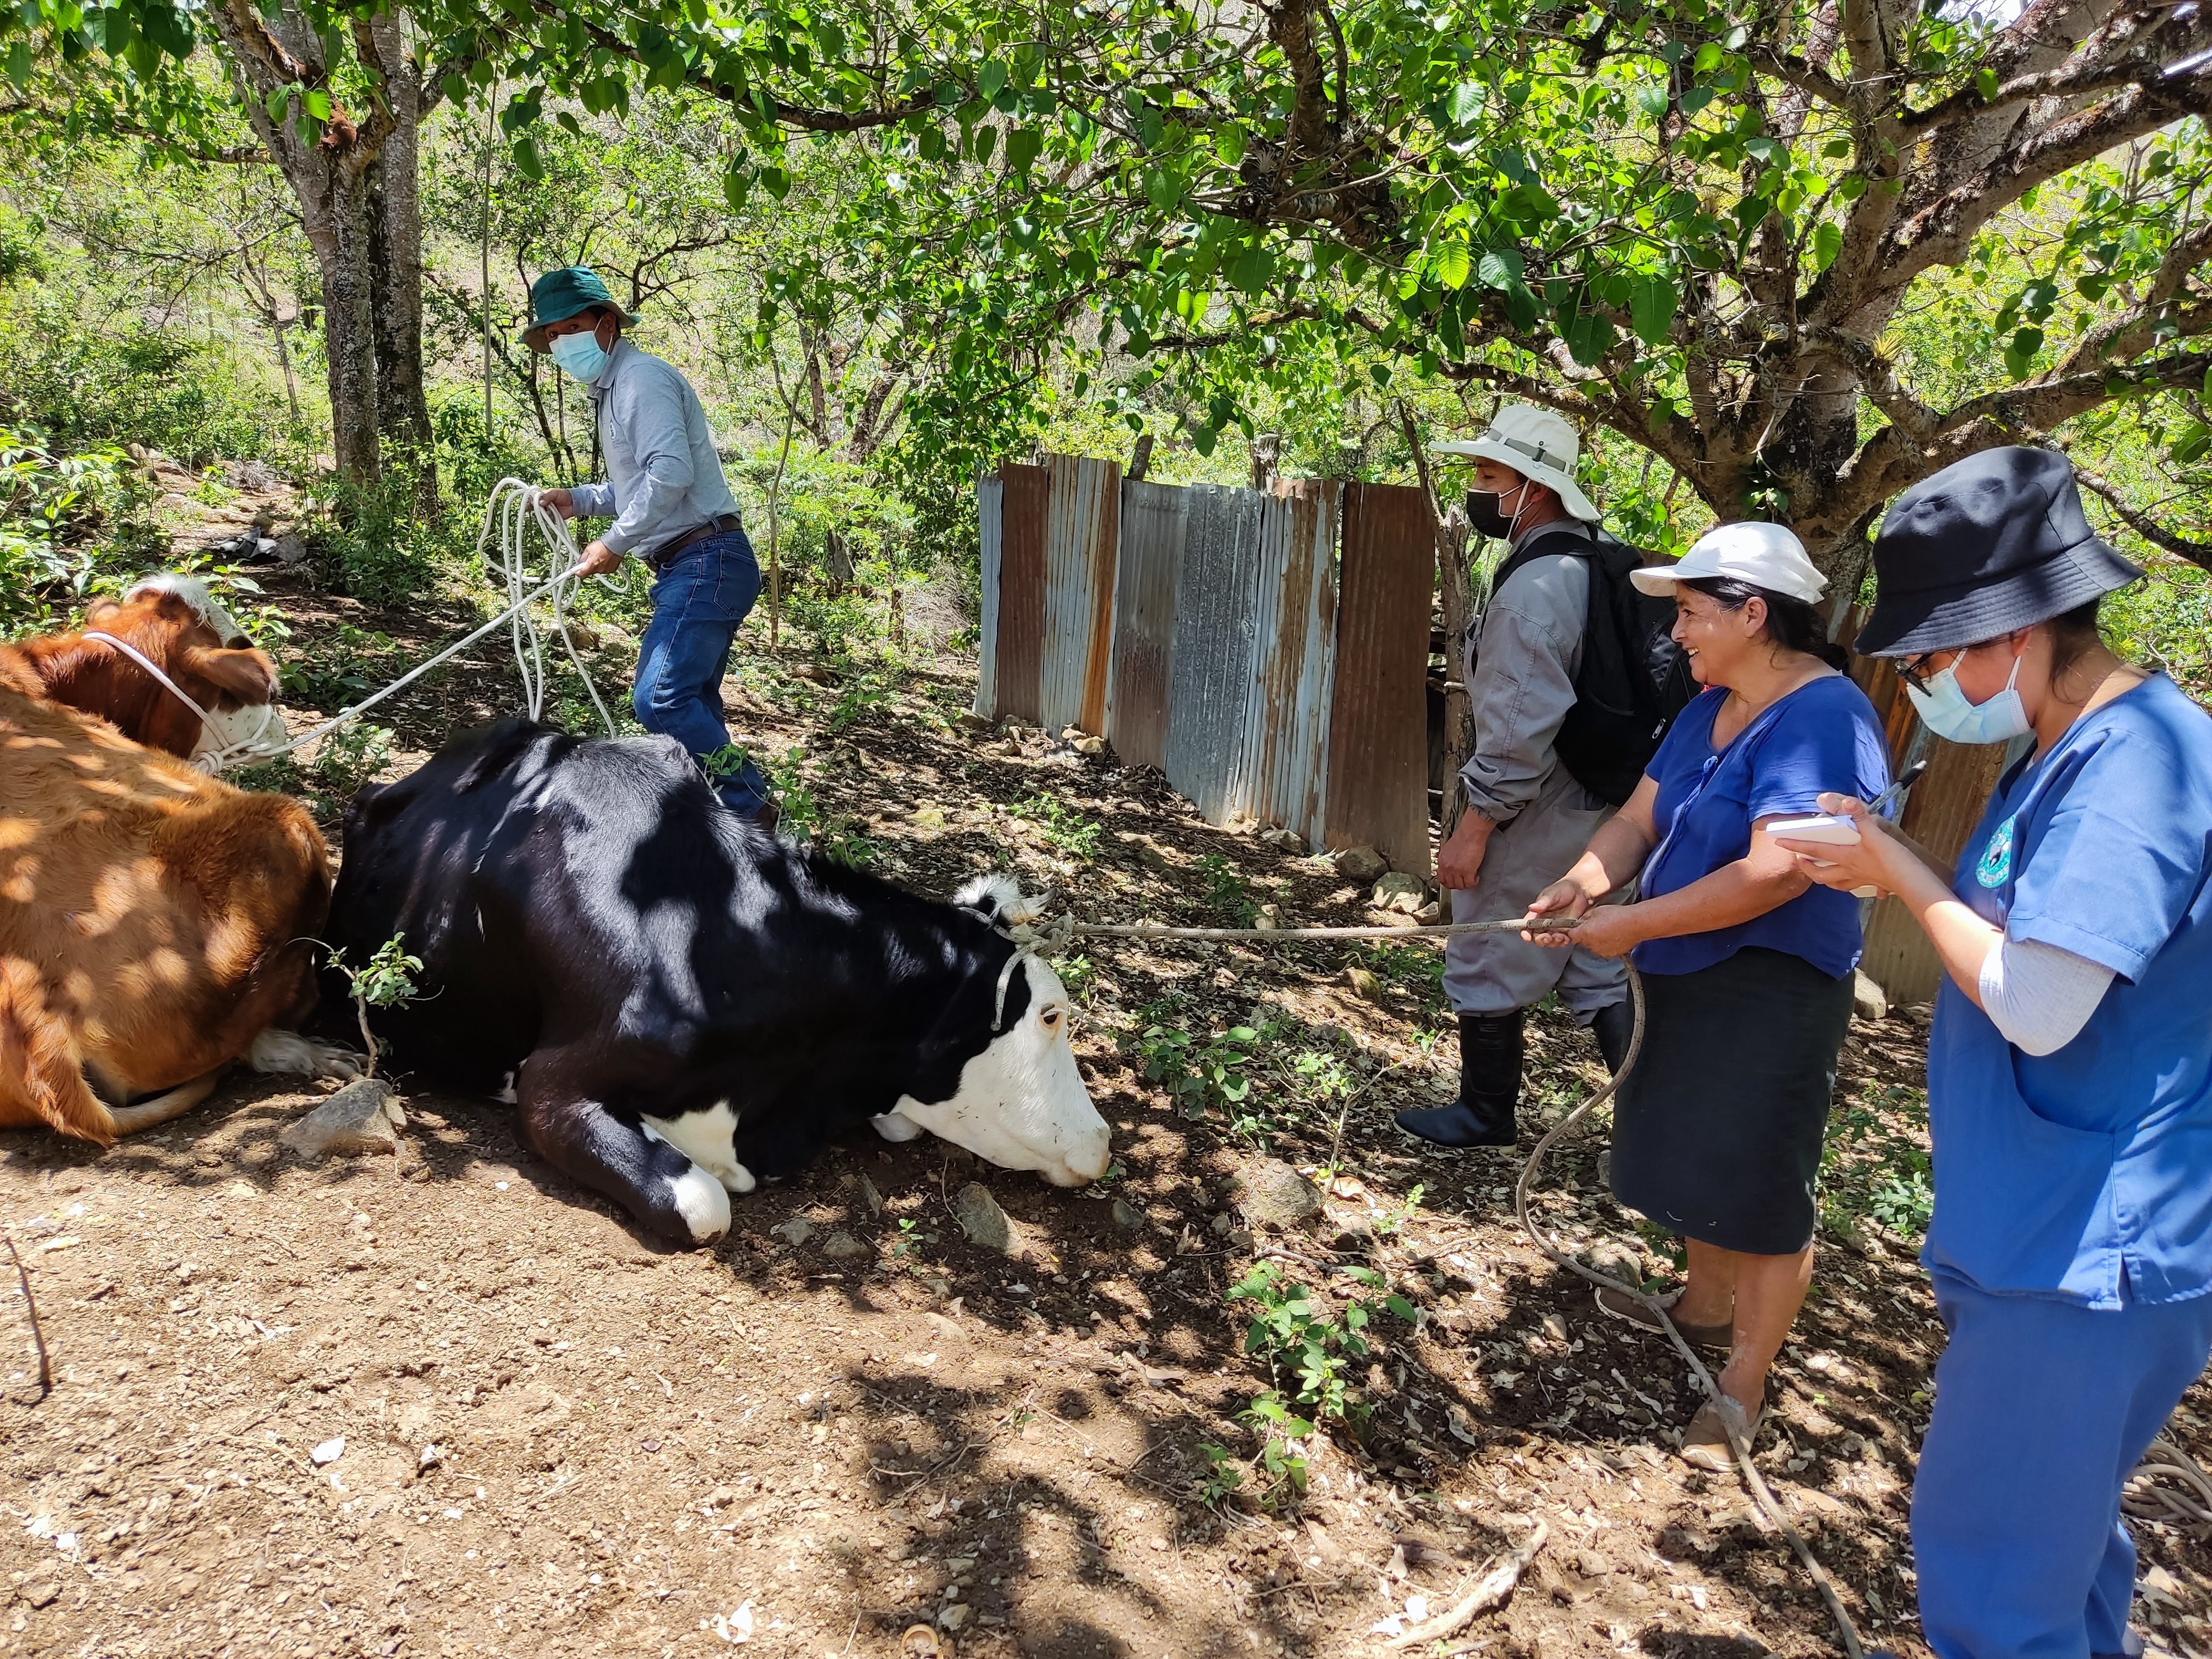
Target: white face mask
(1944,710)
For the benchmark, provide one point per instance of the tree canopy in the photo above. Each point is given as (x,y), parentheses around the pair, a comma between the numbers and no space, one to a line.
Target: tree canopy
(1805,253)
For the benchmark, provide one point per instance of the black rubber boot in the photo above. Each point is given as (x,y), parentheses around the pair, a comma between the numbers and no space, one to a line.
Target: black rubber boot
(1614,1026)
(1490,1054)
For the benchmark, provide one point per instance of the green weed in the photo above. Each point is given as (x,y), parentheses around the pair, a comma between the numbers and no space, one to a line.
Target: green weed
(351,757)
(1225,891)
(1199,1075)
(1063,827)
(1875,1164)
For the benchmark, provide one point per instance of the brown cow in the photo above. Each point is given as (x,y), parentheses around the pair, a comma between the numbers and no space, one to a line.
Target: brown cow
(175,623)
(155,926)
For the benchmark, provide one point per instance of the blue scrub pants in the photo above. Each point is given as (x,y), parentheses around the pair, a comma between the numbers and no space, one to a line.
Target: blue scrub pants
(699,598)
(2042,1409)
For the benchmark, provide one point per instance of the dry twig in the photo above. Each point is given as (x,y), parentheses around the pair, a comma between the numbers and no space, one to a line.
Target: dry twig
(38,1334)
(1495,1587)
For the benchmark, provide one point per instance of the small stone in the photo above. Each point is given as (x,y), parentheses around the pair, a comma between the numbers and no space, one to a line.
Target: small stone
(1127,1214)
(1364,983)
(329,1452)
(1591,1564)
(721,1497)
(363,1117)
(1869,1000)
(969,720)
(1271,1191)
(1429,914)
(40,1592)
(980,1218)
(1270,918)
(793,1232)
(1092,747)
(1402,893)
(953,1615)
(290,548)
(843,1247)
(1361,864)
(870,1196)
(1284,841)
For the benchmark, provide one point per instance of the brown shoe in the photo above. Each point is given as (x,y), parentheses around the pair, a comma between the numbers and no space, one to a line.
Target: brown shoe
(1618,1305)
(1705,1441)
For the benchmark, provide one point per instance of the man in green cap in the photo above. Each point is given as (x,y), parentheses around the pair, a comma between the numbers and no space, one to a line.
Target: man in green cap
(671,509)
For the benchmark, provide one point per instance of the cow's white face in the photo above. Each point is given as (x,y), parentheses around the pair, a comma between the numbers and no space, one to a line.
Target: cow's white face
(1021,1103)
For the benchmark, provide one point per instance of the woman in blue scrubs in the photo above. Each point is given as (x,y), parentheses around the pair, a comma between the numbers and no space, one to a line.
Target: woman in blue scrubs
(2069,1073)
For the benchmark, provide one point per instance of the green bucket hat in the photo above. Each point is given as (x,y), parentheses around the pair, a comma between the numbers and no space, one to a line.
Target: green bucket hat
(560,294)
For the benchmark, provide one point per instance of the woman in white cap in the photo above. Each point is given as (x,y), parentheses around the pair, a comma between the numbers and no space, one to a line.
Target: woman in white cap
(1746,964)
(2069,1072)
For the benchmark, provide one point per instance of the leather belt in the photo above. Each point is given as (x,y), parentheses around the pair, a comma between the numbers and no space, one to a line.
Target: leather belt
(721,526)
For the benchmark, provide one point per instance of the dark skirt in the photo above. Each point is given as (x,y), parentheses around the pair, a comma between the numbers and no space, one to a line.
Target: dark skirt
(1717,1130)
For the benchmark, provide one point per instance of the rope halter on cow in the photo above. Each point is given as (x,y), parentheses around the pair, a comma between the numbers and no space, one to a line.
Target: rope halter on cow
(227,750)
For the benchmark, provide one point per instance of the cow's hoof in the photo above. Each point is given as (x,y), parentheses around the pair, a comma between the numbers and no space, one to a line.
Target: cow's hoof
(703,1202)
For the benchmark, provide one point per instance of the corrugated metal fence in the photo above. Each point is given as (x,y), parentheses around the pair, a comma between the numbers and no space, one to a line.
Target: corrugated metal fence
(1266,650)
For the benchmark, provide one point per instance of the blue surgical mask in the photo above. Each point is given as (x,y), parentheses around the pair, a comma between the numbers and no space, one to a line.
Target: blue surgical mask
(1944,710)
(578,356)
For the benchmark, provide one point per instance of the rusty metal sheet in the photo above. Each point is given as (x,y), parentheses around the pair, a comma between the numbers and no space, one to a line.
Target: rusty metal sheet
(1210,668)
(1081,526)
(1377,741)
(1281,775)
(1145,576)
(990,501)
(1018,674)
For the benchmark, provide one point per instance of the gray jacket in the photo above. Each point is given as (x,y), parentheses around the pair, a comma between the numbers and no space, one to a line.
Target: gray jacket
(1520,680)
(664,479)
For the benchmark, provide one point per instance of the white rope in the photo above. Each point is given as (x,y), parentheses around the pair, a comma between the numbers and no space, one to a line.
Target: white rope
(515,507)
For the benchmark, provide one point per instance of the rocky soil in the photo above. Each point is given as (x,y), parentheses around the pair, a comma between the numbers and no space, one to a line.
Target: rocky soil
(439,1402)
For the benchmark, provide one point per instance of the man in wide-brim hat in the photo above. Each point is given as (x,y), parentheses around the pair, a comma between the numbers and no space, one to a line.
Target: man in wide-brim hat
(1528,816)
(672,509)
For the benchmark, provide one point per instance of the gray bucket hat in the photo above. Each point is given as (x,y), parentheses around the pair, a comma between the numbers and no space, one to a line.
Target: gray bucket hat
(1990,544)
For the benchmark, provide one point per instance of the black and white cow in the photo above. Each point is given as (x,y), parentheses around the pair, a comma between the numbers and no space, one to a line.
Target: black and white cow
(679,1002)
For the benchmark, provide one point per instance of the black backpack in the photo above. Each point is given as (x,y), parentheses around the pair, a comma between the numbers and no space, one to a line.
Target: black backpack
(1633,679)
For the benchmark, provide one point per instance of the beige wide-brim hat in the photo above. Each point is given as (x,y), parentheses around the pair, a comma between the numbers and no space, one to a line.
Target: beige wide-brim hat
(1535,443)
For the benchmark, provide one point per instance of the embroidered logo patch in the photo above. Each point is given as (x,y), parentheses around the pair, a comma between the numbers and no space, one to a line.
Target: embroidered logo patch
(1995,866)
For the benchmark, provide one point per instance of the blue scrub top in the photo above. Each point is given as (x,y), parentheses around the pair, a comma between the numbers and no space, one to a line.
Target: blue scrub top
(2059,1175)
(1823,736)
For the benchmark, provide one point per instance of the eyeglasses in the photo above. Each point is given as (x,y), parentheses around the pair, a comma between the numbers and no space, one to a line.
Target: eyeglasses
(1919,671)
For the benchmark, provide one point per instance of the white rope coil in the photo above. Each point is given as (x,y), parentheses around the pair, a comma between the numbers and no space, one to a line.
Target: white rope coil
(514,508)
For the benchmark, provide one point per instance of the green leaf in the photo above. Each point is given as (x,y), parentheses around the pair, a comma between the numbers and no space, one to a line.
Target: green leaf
(527,162)
(317,103)
(1589,337)
(1023,146)
(2020,356)
(1827,242)
(2192,442)
(1253,271)
(1464,104)
(1229,144)
(1451,264)
(1500,267)
(1652,307)
(19,65)
(991,79)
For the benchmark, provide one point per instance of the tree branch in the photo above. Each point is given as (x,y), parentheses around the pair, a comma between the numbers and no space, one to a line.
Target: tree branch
(2197,553)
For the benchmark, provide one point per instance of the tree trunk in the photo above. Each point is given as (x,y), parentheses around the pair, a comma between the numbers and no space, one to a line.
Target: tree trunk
(396,259)
(329,173)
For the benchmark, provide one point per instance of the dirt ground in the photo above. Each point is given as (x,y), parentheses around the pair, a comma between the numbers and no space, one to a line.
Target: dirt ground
(447,1404)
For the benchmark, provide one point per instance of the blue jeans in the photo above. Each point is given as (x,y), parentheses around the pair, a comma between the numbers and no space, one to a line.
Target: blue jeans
(699,598)
(2042,1408)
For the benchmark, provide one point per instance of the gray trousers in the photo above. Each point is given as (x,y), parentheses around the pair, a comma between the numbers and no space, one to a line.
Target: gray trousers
(1497,973)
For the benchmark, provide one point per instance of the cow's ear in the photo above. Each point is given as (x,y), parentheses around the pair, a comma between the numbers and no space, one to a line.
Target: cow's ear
(997,899)
(100,611)
(246,677)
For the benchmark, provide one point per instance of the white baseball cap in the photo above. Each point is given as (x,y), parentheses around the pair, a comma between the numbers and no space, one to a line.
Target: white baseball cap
(1763,555)
(1535,443)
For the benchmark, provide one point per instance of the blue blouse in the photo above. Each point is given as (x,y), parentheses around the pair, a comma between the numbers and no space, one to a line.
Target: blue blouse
(2064,1175)
(1823,736)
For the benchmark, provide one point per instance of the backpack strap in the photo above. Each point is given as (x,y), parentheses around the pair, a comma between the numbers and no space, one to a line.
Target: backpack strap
(1568,537)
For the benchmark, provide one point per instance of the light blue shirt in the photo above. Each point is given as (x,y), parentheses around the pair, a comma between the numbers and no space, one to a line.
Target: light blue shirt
(2058,1175)
(664,478)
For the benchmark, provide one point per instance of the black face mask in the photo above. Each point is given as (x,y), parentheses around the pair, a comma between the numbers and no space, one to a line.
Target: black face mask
(1486,515)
